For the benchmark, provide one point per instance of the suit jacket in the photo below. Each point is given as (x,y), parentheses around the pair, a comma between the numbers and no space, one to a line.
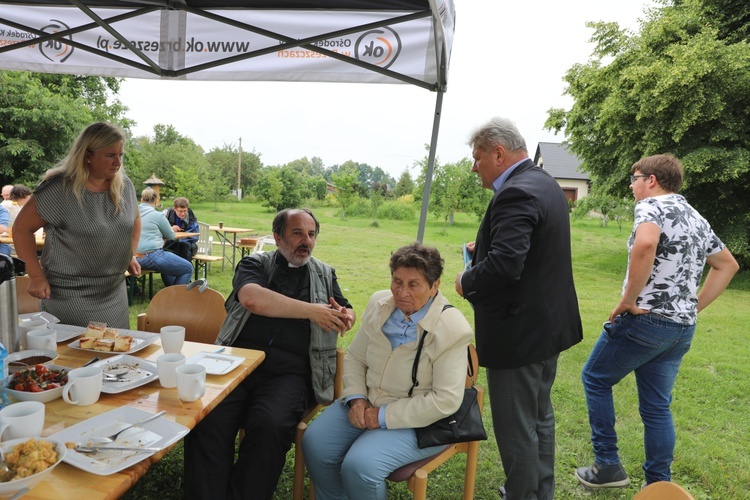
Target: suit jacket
(521,279)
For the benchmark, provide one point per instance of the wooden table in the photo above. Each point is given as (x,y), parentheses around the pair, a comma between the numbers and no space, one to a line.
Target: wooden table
(178,235)
(40,239)
(67,481)
(223,234)
(9,241)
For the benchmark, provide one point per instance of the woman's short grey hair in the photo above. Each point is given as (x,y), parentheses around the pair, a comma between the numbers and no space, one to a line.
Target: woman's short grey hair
(426,260)
(498,131)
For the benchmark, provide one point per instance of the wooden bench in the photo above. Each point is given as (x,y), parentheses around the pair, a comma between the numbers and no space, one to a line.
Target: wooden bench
(247,246)
(131,281)
(202,261)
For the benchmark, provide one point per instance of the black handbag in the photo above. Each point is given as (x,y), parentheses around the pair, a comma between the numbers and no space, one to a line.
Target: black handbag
(464,425)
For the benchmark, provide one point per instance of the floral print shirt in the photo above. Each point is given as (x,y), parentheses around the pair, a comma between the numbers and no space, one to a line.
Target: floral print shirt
(685,242)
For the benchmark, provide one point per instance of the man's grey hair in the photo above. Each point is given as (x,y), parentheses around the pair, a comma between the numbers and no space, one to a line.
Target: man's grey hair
(498,131)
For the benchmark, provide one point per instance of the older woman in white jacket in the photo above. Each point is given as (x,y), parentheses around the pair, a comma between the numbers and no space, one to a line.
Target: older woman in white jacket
(359,440)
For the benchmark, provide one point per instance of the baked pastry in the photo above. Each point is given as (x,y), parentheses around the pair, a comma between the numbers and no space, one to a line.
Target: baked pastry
(123,343)
(87,343)
(111,333)
(100,338)
(105,345)
(95,330)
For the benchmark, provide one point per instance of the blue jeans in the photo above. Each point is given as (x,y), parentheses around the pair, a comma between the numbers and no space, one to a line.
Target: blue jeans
(174,269)
(653,347)
(349,463)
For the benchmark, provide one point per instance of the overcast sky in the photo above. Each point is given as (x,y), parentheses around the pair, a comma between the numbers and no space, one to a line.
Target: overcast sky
(508,59)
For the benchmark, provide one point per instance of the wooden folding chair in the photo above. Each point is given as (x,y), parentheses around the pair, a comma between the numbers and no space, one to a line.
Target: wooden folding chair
(299,459)
(663,490)
(26,303)
(415,474)
(195,306)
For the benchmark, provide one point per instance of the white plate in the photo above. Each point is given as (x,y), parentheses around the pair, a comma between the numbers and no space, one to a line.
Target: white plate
(141,372)
(216,364)
(140,340)
(38,315)
(158,433)
(67,332)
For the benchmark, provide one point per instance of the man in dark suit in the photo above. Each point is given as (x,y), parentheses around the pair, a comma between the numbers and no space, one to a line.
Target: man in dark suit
(525,305)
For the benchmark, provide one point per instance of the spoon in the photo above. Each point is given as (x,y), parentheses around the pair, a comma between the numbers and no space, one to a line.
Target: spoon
(113,437)
(116,374)
(5,472)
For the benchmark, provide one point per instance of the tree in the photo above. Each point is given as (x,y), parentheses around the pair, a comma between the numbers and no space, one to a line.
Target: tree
(405,184)
(282,187)
(319,187)
(41,115)
(607,206)
(676,87)
(270,187)
(376,200)
(445,196)
(224,161)
(166,155)
(346,181)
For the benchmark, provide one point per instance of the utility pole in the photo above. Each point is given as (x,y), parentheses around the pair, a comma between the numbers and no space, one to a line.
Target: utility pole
(239,169)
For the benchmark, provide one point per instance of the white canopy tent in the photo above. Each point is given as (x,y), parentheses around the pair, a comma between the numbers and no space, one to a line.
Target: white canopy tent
(355,41)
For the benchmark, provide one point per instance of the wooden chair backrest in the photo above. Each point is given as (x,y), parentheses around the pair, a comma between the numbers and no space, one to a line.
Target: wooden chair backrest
(663,490)
(201,313)
(26,303)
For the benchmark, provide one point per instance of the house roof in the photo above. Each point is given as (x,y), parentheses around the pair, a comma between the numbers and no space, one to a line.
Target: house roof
(556,158)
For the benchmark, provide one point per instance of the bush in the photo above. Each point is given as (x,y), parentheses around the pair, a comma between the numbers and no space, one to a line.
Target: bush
(360,207)
(396,210)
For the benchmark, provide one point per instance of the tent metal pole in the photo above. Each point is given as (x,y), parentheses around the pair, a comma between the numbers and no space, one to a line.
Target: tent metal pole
(430,165)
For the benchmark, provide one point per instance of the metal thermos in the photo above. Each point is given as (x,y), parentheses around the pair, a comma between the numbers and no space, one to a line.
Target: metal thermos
(10,335)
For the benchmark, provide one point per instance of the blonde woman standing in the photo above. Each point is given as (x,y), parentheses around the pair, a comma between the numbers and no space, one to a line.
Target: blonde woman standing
(89,211)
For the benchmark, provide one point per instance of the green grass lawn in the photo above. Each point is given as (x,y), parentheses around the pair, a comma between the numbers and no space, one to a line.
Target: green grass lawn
(710,399)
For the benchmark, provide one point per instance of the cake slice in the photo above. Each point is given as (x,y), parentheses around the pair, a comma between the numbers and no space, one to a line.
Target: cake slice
(123,343)
(87,343)
(104,345)
(111,333)
(95,330)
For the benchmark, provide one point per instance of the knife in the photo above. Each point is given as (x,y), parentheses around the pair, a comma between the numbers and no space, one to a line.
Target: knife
(94,449)
(91,361)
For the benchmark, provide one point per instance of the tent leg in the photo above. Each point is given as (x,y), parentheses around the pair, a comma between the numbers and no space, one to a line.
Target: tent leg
(430,165)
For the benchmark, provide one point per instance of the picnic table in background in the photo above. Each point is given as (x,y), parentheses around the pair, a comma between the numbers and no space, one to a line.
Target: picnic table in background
(223,233)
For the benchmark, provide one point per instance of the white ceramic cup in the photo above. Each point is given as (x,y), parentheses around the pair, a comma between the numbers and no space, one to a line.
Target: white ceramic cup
(166,366)
(26,326)
(84,386)
(191,382)
(42,338)
(22,420)
(172,338)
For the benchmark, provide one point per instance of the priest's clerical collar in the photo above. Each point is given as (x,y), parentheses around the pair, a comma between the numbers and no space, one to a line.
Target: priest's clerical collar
(285,263)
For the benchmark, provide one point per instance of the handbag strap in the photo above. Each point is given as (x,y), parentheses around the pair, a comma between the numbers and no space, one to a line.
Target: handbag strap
(414,381)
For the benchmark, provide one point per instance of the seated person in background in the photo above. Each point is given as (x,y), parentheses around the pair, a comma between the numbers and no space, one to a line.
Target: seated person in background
(289,305)
(154,230)
(358,441)
(19,196)
(181,218)
(4,225)
(6,196)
